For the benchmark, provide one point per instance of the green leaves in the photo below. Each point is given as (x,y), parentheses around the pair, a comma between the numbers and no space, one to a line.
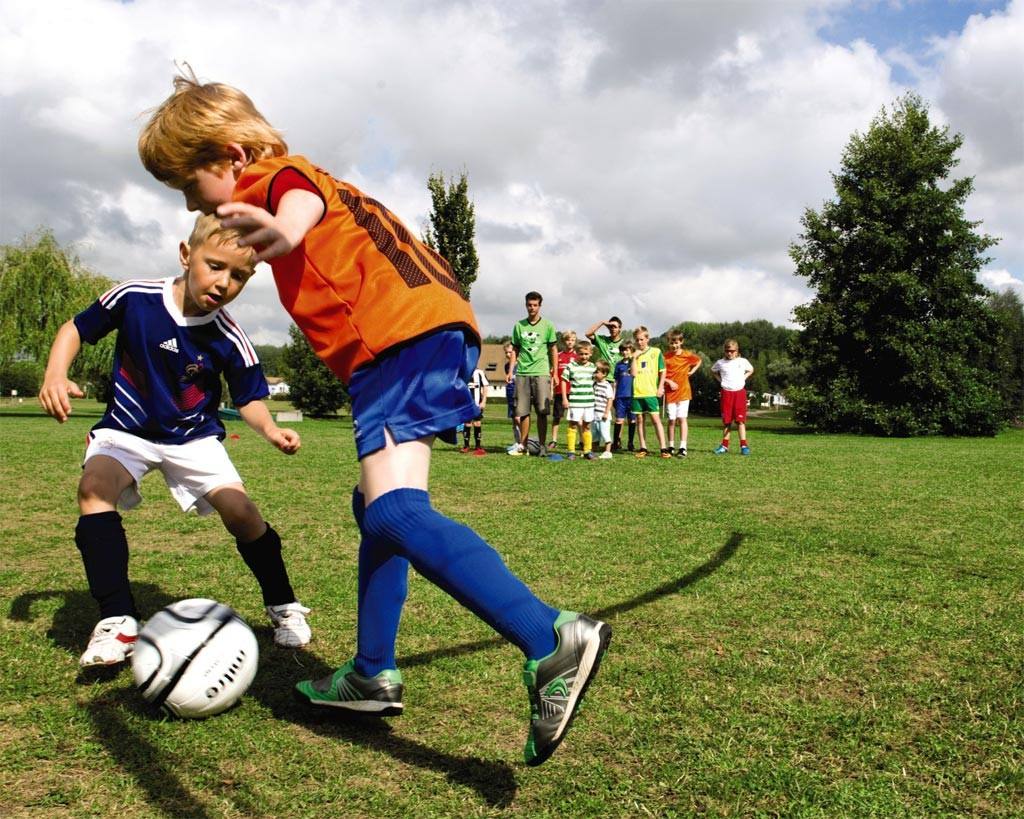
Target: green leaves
(897,334)
(453,226)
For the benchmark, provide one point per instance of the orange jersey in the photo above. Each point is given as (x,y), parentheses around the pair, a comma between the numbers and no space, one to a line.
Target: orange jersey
(677,368)
(360,282)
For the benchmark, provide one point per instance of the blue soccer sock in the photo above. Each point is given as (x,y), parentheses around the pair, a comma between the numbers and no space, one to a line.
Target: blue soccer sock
(459,561)
(383,585)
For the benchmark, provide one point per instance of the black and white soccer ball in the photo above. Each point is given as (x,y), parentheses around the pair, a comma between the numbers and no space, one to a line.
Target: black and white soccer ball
(195,658)
(532,446)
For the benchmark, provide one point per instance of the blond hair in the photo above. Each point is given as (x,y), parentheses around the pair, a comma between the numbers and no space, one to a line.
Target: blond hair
(641,329)
(209,227)
(192,128)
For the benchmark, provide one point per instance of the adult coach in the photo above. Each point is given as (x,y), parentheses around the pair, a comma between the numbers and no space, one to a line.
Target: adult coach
(535,362)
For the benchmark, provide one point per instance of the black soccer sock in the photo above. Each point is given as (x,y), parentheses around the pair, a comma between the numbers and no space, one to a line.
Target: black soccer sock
(632,432)
(478,434)
(465,435)
(101,540)
(618,435)
(263,557)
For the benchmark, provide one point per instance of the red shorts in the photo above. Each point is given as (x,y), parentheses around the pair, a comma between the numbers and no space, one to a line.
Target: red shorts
(734,406)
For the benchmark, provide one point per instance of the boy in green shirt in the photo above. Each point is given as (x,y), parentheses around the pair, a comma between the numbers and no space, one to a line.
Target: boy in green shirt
(535,361)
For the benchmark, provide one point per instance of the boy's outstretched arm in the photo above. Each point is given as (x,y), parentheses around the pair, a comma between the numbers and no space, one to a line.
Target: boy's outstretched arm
(56,389)
(258,417)
(277,234)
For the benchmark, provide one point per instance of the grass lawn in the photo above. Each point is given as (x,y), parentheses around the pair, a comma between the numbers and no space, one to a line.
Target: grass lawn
(831,627)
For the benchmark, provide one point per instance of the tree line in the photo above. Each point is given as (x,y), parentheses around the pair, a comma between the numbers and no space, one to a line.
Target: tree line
(900,337)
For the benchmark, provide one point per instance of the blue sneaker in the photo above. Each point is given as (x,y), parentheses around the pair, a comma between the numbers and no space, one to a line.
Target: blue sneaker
(721,450)
(557,683)
(744,450)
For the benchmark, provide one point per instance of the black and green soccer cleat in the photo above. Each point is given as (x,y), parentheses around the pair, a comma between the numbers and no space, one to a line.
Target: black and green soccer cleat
(557,683)
(377,696)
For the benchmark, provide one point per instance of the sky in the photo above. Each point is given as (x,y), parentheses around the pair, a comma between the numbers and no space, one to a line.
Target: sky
(641,158)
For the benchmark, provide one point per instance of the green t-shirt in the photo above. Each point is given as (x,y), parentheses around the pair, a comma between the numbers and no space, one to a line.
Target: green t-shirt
(531,342)
(608,349)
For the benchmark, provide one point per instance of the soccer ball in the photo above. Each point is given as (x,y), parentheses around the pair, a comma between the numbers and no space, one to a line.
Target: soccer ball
(195,658)
(532,446)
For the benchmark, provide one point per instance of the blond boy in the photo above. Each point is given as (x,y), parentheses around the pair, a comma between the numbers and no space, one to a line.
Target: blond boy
(648,369)
(386,314)
(175,340)
(578,400)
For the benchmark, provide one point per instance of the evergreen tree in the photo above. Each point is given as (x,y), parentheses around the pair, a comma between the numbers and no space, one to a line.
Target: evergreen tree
(314,389)
(898,337)
(452,227)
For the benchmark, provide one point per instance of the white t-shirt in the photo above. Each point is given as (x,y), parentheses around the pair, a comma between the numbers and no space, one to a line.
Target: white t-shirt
(732,372)
(477,384)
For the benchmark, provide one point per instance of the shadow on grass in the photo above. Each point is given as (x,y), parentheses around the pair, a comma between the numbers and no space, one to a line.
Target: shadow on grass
(113,712)
(728,549)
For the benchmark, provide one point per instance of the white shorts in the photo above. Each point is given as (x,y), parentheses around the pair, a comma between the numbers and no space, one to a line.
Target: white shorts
(602,430)
(678,409)
(577,414)
(191,470)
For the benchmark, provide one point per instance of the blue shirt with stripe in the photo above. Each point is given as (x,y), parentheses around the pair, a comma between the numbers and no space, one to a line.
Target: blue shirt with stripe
(167,366)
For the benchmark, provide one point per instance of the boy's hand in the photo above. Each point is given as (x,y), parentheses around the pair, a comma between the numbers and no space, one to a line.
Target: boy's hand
(287,440)
(565,403)
(54,397)
(260,229)
(661,392)
(671,384)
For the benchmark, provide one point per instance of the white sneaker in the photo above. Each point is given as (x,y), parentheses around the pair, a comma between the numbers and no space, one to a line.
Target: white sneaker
(604,456)
(112,641)
(516,449)
(290,627)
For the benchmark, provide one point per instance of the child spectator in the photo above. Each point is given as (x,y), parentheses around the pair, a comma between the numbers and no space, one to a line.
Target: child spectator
(624,395)
(386,314)
(608,347)
(564,357)
(732,373)
(604,394)
(478,385)
(680,364)
(174,341)
(648,388)
(510,392)
(578,400)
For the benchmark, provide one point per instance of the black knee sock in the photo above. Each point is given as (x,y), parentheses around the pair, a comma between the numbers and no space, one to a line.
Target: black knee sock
(632,432)
(263,557)
(465,435)
(478,434)
(618,435)
(103,544)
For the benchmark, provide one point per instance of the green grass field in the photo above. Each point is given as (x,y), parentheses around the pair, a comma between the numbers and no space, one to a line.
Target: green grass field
(832,627)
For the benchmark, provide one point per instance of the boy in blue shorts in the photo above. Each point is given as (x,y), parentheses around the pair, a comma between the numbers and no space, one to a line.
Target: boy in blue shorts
(624,395)
(386,314)
(174,342)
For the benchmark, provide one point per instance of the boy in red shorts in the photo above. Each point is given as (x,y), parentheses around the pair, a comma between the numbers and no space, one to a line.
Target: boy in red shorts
(388,317)
(732,373)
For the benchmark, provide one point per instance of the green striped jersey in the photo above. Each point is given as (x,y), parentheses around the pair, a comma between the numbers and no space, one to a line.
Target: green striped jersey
(580,378)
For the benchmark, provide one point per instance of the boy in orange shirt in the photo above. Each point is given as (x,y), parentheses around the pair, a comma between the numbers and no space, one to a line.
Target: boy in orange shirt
(680,364)
(388,317)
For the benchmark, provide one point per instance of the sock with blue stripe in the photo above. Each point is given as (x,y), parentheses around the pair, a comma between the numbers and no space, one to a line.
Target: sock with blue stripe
(459,561)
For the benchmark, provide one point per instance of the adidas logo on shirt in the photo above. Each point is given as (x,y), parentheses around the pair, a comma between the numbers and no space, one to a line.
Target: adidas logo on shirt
(171,344)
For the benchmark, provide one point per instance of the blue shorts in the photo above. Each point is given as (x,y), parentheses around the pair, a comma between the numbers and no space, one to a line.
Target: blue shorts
(416,390)
(624,408)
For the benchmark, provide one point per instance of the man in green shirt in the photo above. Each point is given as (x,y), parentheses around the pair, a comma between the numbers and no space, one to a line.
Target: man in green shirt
(535,362)
(608,346)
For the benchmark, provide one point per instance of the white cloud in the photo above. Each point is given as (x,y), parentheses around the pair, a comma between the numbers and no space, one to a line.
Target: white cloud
(648,159)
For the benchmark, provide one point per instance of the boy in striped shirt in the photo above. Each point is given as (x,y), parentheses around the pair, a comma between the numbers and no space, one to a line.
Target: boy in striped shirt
(604,394)
(174,342)
(578,399)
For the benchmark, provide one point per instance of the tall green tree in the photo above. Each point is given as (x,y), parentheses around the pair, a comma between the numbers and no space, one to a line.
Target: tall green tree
(1008,359)
(313,388)
(453,226)
(42,285)
(897,339)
